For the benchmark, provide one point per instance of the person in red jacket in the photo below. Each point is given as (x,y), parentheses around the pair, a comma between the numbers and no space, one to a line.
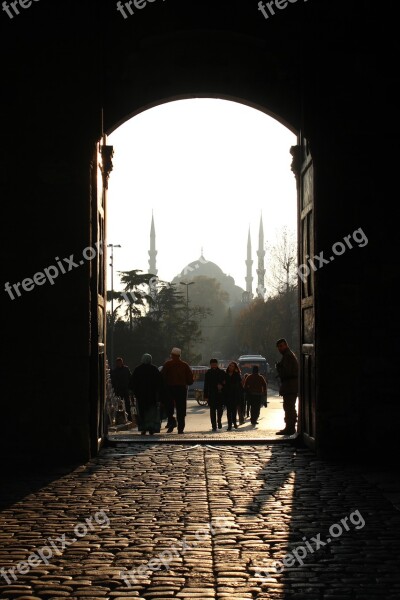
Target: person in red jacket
(256,387)
(177,376)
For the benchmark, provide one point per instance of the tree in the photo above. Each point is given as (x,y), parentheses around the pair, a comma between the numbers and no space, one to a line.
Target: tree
(283,280)
(211,303)
(170,323)
(282,260)
(158,319)
(257,325)
(279,324)
(134,293)
(134,296)
(250,327)
(228,342)
(262,323)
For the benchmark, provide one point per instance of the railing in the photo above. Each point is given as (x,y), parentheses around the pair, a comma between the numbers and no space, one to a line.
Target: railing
(115,405)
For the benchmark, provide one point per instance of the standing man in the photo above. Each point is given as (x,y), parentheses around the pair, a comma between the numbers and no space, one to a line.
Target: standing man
(214,381)
(256,388)
(288,372)
(177,377)
(120,378)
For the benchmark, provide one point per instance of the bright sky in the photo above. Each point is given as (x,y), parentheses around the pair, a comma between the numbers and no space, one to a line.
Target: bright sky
(206,168)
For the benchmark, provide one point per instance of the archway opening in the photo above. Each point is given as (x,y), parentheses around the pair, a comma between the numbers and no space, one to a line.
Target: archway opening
(202,236)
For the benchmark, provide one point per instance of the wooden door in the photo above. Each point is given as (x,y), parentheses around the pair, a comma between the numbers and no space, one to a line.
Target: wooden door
(304,170)
(101,168)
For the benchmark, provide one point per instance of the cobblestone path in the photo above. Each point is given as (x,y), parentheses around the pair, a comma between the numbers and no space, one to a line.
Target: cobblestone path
(202,523)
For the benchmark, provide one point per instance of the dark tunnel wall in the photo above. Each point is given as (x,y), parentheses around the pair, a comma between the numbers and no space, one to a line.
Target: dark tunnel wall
(316,67)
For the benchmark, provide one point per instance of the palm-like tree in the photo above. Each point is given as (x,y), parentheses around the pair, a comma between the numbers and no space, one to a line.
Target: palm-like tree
(133,295)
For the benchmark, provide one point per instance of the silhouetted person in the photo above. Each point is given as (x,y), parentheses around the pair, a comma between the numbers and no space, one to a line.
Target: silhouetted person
(256,387)
(147,384)
(214,381)
(246,398)
(233,395)
(288,372)
(120,377)
(177,376)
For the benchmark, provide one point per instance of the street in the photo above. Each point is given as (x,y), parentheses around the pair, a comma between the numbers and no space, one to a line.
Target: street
(198,423)
(271,417)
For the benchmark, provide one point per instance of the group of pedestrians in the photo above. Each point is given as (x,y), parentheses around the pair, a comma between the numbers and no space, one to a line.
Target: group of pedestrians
(162,393)
(238,394)
(159,393)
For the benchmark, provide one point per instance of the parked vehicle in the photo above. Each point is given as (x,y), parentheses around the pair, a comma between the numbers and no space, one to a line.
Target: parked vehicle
(196,390)
(247,361)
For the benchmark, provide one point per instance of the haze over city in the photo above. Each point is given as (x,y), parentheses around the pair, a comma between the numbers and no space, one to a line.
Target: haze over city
(206,169)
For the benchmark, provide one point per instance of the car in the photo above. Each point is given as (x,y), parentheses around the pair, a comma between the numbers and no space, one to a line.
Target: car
(247,361)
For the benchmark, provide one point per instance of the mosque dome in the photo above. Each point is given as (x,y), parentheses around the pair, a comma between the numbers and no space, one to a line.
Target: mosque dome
(206,268)
(200,267)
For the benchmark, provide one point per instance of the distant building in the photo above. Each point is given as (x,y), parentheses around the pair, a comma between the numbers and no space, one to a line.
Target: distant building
(261,266)
(207,268)
(249,269)
(153,251)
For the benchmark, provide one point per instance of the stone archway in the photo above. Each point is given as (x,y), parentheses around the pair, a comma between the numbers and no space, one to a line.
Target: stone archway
(136,165)
(58,86)
(309,391)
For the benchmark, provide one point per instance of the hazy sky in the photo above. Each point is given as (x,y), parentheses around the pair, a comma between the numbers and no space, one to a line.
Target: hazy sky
(206,168)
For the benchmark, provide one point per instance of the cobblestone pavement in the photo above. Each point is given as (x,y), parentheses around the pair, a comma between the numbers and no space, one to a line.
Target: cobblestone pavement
(234,435)
(147,502)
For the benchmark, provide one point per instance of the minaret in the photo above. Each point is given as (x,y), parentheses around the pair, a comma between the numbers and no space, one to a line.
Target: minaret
(249,263)
(261,269)
(152,251)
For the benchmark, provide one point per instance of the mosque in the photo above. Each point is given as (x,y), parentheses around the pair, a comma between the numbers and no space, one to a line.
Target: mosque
(207,268)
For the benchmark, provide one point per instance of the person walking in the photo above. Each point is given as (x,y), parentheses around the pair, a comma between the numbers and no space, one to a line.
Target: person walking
(177,376)
(214,381)
(146,384)
(120,377)
(233,395)
(242,403)
(256,387)
(288,372)
(246,397)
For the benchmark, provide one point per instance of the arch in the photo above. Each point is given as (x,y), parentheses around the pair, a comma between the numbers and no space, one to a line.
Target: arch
(245,101)
(202,63)
(289,67)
